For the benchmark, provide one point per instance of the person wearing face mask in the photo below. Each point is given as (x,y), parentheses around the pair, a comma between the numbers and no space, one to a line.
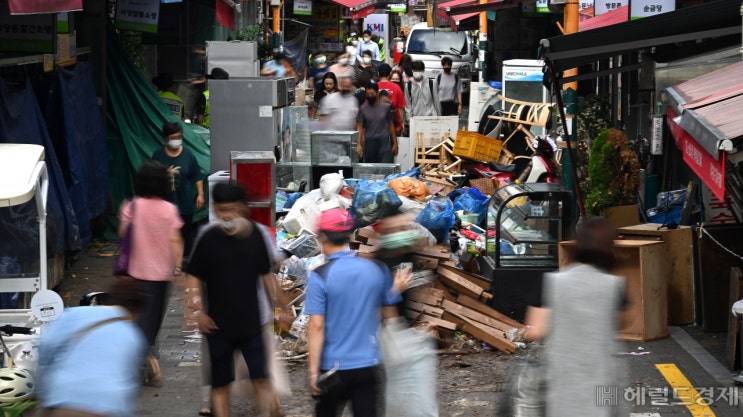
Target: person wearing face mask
(366,65)
(227,271)
(376,127)
(420,94)
(317,71)
(185,177)
(344,67)
(156,254)
(278,67)
(368,45)
(449,88)
(338,110)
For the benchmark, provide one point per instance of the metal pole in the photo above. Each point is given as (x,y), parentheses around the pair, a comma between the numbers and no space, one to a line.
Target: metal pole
(482,44)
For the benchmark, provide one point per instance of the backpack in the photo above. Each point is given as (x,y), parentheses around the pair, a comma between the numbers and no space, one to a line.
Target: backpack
(430,86)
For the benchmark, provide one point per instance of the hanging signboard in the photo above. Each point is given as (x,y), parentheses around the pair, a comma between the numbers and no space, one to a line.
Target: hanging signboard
(43,6)
(377,24)
(399,8)
(644,8)
(601,7)
(138,15)
(26,33)
(303,7)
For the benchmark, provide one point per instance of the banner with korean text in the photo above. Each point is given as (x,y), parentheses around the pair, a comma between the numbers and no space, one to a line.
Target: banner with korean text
(137,15)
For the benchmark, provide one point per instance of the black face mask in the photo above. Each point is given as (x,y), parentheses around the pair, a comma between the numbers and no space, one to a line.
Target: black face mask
(447,70)
(371,100)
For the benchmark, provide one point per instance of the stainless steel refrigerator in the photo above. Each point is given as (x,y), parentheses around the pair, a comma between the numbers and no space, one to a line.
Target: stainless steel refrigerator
(246,115)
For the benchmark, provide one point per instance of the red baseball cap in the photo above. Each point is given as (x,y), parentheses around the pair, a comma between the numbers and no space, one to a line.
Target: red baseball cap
(336,220)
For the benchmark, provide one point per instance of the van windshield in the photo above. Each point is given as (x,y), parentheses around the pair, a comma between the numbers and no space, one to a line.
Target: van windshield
(431,41)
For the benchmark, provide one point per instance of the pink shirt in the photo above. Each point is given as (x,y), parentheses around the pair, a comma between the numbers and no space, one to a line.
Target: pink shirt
(154,222)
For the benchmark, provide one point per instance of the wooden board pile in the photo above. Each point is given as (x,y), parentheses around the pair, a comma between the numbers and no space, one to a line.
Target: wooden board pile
(455,300)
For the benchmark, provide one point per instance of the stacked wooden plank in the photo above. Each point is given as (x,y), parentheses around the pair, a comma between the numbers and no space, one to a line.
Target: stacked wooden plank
(455,300)
(458,301)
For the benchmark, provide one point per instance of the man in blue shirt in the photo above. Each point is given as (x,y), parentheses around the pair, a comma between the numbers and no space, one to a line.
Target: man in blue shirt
(347,298)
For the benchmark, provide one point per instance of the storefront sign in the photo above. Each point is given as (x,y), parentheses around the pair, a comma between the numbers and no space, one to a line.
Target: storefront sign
(644,8)
(26,33)
(542,6)
(43,6)
(715,210)
(585,4)
(303,7)
(601,7)
(398,8)
(656,141)
(377,24)
(709,170)
(138,15)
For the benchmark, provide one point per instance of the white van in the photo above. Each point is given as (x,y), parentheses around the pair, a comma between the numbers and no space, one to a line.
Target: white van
(430,44)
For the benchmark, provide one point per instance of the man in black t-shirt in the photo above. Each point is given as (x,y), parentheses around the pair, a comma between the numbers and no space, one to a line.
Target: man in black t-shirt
(224,269)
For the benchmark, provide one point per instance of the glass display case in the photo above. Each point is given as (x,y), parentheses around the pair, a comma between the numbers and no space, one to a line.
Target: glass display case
(375,172)
(525,224)
(334,148)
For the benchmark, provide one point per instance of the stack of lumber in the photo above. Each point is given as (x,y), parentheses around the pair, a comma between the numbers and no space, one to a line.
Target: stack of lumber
(458,301)
(455,301)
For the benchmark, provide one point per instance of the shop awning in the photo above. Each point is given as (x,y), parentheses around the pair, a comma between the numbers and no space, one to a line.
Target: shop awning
(704,119)
(442,11)
(614,17)
(709,107)
(355,5)
(708,20)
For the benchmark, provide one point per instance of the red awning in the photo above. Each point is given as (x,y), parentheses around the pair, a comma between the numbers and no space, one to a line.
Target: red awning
(44,6)
(709,170)
(709,107)
(363,12)
(454,21)
(355,5)
(613,17)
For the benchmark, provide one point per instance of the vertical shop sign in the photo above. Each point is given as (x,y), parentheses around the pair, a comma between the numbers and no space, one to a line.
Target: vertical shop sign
(605,6)
(303,7)
(377,24)
(644,8)
(138,15)
(26,33)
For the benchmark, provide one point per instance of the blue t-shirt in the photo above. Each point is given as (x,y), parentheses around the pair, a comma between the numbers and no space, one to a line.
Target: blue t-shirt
(317,75)
(98,372)
(350,297)
(276,68)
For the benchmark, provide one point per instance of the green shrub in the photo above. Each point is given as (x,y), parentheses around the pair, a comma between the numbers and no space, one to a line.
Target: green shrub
(613,172)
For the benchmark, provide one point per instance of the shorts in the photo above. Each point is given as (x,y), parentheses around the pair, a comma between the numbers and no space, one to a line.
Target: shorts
(221,352)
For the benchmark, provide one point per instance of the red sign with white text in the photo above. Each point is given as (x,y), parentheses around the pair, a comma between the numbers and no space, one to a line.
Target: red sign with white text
(709,170)
(44,6)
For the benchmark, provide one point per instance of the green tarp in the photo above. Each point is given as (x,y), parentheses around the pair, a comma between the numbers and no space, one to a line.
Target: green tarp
(135,115)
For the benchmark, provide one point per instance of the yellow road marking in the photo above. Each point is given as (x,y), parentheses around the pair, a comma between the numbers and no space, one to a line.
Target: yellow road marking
(685,392)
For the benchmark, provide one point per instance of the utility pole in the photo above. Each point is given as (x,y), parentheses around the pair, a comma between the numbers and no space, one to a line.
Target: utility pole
(276,6)
(482,44)
(570,97)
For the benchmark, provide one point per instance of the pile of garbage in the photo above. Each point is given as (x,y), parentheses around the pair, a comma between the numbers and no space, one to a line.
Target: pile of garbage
(446,295)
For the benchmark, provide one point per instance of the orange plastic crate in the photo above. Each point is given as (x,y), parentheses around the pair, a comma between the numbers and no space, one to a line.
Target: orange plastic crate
(472,145)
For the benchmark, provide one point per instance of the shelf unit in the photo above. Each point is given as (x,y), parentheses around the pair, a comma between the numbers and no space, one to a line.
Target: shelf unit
(256,171)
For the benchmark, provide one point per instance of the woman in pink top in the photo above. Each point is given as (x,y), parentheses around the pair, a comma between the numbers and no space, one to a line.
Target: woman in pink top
(156,250)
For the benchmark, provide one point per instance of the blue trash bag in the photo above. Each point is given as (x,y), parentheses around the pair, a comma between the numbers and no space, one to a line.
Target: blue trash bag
(291,199)
(414,172)
(456,193)
(438,217)
(373,201)
(472,201)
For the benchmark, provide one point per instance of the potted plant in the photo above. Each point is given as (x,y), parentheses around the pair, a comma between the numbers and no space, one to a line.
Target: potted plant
(613,178)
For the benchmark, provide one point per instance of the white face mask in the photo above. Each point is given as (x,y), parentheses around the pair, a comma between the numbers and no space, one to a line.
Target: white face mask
(366,60)
(354,42)
(343,61)
(367,40)
(175,144)
(418,76)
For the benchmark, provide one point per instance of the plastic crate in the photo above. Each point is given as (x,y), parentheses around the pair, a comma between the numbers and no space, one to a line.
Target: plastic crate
(472,145)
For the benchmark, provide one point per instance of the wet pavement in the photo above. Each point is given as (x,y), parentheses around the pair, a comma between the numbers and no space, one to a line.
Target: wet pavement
(469,384)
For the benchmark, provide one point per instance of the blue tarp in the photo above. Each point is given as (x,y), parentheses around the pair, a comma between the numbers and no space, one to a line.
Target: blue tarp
(76,128)
(21,121)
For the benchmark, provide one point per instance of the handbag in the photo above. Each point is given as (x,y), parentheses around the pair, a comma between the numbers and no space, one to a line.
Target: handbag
(121,263)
